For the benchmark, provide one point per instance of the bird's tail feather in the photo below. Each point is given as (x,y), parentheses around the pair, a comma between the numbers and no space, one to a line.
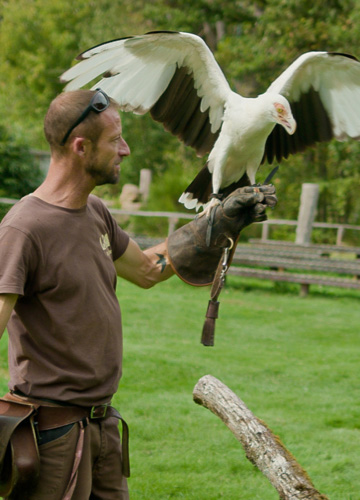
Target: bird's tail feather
(198,193)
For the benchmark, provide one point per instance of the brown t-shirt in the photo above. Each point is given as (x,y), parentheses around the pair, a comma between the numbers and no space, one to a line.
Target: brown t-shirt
(65,338)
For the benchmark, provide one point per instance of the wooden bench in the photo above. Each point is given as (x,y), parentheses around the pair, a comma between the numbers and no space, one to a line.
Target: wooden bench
(286,262)
(303,264)
(322,249)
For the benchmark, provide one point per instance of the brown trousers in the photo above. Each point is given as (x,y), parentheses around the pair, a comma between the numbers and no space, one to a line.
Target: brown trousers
(99,475)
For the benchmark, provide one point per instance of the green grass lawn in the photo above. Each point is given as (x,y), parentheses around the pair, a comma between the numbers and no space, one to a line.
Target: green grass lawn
(293,361)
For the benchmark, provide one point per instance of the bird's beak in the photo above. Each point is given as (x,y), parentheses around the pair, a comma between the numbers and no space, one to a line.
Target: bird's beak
(289,124)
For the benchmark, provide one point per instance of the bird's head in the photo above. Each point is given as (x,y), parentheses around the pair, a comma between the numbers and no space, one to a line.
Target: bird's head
(281,113)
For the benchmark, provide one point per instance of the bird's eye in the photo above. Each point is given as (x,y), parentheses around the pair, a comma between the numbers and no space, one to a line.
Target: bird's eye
(280,110)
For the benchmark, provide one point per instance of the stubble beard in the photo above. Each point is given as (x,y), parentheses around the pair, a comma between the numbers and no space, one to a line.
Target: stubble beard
(101,173)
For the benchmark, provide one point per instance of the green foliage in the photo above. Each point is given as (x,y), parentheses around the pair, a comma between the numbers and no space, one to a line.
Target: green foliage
(253,43)
(38,38)
(175,179)
(198,16)
(334,167)
(150,146)
(4,208)
(19,173)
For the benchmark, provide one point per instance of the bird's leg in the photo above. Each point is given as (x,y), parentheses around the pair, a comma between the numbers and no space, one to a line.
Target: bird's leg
(209,212)
(215,199)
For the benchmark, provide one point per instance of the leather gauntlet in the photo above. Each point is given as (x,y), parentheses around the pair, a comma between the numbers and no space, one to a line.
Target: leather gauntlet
(195,249)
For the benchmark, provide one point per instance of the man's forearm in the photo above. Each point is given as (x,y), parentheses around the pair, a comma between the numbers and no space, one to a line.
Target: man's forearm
(144,268)
(160,258)
(7,303)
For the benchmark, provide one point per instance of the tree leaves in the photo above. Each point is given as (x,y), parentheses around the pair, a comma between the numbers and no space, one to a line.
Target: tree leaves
(19,173)
(253,43)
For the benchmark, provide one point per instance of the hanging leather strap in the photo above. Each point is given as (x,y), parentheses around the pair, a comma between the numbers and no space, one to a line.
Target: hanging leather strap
(77,459)
(125,441)
(212,313)
(108,411)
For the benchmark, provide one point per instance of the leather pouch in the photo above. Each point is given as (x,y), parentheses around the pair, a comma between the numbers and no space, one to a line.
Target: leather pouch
(19,454)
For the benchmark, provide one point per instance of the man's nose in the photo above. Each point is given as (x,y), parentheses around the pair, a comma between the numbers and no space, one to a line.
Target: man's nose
(124,149)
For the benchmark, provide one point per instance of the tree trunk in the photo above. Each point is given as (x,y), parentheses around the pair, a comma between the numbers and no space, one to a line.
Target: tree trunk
(210,36)
(261,446)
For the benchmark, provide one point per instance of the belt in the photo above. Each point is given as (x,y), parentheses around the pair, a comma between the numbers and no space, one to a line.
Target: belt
(49,416)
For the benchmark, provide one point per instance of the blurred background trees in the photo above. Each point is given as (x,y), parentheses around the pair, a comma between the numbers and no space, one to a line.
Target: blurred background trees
(19,172)
(252,41)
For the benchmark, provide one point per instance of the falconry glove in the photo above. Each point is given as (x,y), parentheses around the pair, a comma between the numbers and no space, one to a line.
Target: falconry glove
(200,252)
(195,249)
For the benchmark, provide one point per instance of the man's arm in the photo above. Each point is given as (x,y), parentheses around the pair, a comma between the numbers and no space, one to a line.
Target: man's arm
(144,268)
(7,303)
(194,250)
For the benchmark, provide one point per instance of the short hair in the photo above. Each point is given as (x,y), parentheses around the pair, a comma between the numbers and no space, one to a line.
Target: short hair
(64,110)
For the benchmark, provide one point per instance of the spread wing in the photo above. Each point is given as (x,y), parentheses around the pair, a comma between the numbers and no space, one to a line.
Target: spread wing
(323,89)
(172,75)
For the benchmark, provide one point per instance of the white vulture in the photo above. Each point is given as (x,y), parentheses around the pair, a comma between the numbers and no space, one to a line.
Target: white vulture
(175,77)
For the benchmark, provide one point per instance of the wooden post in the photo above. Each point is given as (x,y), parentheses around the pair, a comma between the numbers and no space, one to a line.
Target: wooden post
(340,235)
(261,446)
(265,231)
(308,204)
(144,184)
(304,289)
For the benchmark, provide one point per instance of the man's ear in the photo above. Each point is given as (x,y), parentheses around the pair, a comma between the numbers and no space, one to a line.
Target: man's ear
(80,146)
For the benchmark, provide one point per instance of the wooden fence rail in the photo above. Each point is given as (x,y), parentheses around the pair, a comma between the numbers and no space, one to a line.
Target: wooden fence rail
(340,228)
(174,217)
(269,259)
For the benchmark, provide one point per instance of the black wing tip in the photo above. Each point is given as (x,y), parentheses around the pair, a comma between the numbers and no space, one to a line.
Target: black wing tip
(80,56)
(156,32)
(343,54)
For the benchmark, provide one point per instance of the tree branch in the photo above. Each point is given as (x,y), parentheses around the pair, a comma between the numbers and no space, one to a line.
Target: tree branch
(261,446)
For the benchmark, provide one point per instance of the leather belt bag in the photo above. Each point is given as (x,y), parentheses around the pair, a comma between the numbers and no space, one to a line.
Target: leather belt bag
(20,421)
(19,455)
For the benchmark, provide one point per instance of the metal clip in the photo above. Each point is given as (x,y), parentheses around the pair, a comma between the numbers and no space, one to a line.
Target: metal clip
(226,259)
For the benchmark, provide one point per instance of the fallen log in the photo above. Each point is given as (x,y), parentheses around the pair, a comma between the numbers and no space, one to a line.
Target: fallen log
(261,446)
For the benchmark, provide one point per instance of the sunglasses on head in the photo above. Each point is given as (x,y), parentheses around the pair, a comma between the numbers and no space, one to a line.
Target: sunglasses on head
(99,102)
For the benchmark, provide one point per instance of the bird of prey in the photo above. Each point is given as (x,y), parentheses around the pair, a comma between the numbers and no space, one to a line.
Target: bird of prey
(175,77)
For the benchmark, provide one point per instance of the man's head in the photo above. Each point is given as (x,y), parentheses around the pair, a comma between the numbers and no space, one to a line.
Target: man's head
(87,123)
(99,102)
(66,117)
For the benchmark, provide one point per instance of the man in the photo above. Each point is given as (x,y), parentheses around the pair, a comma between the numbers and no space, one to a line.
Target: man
(60,252)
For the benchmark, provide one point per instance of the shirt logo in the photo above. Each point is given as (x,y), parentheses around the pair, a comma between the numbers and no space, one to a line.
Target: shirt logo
(105,244)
